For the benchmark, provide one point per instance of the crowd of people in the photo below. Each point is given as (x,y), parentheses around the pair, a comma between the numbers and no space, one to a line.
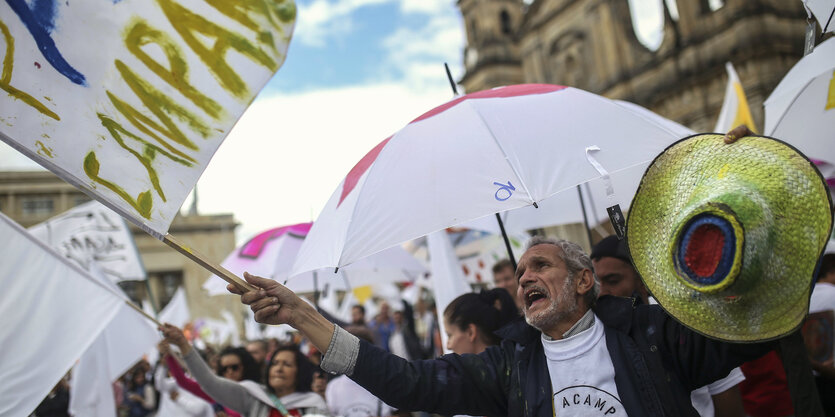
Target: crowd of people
(268,378)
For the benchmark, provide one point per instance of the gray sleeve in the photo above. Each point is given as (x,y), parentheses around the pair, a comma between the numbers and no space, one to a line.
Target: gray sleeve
(342,353)
(225,391)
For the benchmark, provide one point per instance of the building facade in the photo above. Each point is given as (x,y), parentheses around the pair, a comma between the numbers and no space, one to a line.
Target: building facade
(31,197)
(591,44)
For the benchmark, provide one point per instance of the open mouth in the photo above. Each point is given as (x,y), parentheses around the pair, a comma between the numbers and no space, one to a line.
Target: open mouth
(533,296)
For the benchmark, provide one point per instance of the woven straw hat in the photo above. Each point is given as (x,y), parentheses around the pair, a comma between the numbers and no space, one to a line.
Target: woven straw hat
(727,237)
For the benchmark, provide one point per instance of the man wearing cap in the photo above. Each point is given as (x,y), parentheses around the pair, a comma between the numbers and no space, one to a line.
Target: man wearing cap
(578,355)
(614,269)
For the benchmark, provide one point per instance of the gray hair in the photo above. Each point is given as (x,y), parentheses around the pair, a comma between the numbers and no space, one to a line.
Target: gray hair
(575,259)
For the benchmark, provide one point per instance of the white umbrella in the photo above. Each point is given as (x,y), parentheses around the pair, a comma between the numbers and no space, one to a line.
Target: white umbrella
(801,109)
(271,253)
(478,154)
(565,206)
(822,9)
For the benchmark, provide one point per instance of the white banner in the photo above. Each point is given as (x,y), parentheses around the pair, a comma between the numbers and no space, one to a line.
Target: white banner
(128,100)
(92,233)
(448,281)
(52,311)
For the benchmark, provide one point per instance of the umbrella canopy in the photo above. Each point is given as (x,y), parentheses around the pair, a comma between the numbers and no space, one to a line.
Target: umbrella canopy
(801,109)
(822,10)
(271,253)
(478,154)
(564,207)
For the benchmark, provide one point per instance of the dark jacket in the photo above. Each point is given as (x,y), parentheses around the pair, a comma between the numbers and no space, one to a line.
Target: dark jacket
(657,363)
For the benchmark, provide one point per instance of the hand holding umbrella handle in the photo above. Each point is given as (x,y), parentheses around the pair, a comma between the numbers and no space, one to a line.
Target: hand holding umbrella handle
(275,304)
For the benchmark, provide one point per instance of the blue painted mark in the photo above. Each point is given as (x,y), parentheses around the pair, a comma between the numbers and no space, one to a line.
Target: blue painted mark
(504,188)
(40,21)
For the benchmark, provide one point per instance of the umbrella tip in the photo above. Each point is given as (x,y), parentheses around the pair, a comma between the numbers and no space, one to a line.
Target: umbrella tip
(335,270)
(535,205)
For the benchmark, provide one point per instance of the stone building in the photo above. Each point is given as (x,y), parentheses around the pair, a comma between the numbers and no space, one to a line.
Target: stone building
(30,197)
(591,44)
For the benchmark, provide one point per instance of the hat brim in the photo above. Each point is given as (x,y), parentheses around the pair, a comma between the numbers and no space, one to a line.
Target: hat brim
(784,208)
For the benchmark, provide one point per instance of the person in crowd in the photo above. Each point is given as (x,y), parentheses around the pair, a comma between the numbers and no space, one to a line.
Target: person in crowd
(190,385)
(258,350)
(424,326)
(173,400)
(57,402)
(289,376)
(382,325)
(403,341)
(237,364)
(140,398)
(503,277)
(358,315)
(472,319)
(347,398)
(617,358)
(821,326)
(613,268)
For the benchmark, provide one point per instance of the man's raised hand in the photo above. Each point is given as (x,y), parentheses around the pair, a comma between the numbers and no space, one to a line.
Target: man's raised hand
(272,303)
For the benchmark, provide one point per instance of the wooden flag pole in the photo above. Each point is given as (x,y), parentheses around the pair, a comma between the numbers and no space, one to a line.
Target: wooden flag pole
(201,260)
(143,312)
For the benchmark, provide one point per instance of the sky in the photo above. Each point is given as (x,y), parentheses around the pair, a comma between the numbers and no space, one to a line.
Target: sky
(356,71)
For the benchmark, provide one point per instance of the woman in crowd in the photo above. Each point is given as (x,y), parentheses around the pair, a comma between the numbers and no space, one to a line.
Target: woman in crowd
(471,319)
(289,375)
(140,398)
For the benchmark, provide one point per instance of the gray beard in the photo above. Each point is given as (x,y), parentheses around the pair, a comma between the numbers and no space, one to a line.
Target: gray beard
(551,316)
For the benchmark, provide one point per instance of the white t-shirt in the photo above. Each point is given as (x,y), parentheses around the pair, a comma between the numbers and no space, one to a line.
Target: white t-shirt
(823,299)
(582,374)
(346,398)
(702,398)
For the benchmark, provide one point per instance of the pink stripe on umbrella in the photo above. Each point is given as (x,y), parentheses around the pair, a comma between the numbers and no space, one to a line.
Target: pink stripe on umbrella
(501,92)
(510,91)
(253,248)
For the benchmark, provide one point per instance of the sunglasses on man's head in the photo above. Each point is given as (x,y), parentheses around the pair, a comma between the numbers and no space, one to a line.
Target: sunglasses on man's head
(234,367)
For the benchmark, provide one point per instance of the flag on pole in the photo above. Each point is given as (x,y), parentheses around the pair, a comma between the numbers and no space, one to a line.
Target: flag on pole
(128,100)
(52,312)
(92,233)
(735,109)
(448,280)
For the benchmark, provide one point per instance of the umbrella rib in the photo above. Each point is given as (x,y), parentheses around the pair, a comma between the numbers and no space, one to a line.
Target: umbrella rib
(504,153)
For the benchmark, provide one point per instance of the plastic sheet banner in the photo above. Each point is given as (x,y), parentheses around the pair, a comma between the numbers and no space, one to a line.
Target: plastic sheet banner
(129,99)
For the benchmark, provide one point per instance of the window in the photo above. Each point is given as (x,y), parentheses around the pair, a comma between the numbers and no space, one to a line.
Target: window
(168,283)
(504,18)
(37,206)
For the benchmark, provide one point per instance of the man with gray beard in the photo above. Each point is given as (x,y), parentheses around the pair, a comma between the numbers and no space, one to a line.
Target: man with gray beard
(569,359)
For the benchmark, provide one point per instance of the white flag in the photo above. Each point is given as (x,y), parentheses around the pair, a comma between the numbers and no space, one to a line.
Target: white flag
(92,233)
(128,100)
(735,109)
(52,312)
(448,280)
(176,311)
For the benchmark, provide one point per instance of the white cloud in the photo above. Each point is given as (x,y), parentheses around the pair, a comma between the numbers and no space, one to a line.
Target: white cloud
(323,20)
(418,53)
(287,154)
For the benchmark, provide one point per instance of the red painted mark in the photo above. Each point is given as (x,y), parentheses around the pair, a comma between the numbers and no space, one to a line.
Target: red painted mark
(704,251)
(254,247)
(478,277)
(356,172)
(501,92)
(465,269)
(37,65)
